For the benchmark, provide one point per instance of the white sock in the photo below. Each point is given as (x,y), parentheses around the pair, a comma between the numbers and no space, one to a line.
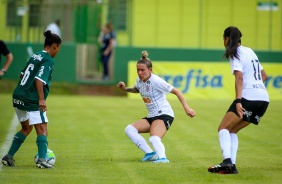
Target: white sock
(225,143)
(158,146)
(234,147)
(137,139)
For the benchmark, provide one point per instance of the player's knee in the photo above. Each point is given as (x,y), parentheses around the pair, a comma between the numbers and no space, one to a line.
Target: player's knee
(130,128)
(26,130)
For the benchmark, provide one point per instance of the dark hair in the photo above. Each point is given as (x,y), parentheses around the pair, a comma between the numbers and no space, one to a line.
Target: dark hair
(51,38)
(234,35)
(145,60)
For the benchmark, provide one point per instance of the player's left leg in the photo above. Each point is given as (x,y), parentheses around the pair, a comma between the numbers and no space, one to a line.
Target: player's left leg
(157,131)
(235,144)
(229,121)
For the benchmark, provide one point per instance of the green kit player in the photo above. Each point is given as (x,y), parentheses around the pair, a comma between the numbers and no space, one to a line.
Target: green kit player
(29,100)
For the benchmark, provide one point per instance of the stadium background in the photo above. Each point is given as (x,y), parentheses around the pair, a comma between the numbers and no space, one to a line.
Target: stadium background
(185,31)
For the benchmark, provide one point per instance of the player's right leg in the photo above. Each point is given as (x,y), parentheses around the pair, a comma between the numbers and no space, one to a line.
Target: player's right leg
(133,132)
(157,131)
(19,138)
(39,120)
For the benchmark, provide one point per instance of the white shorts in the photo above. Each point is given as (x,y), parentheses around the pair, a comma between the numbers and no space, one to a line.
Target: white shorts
(34,117)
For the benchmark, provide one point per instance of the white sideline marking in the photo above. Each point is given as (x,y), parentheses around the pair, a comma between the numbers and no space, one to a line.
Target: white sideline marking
(9,138)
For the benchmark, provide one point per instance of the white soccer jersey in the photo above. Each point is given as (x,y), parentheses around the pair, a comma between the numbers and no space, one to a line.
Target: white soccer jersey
(249,65)
(153,92)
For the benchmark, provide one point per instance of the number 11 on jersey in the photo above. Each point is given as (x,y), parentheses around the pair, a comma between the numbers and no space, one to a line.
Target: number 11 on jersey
(256,69)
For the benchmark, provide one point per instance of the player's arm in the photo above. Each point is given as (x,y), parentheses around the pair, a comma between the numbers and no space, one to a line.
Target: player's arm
(39,87)
(190,112)
(9,59)
(264,75)
(238,90)
(110,47)
(122,86)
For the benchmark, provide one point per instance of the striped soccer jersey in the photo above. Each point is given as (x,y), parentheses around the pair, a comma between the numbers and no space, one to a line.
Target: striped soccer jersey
(153,93)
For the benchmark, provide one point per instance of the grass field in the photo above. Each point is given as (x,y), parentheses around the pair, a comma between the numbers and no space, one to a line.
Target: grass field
(87,135)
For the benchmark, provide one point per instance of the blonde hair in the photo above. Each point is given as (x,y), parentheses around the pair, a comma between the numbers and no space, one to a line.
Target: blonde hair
(145,60)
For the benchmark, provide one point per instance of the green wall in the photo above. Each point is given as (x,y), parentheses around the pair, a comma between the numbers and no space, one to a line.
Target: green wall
(65,61)
(125,54)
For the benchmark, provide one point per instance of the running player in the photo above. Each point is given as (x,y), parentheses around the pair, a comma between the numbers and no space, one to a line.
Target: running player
(251,98)
(153,90)
(9,57)
(29,100)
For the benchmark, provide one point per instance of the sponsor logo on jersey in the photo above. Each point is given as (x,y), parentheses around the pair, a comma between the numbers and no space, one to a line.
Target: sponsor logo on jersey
(19,102)
(37,57)
(147,100)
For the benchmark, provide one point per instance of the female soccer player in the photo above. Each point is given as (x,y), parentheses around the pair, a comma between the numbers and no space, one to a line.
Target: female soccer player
(29,99)
(153,90)
(251,98)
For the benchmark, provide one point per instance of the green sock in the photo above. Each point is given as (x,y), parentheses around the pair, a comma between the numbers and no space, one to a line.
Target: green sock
(17,142)
(42,144)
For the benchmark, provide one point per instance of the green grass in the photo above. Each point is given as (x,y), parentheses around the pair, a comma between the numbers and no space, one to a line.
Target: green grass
(86,134)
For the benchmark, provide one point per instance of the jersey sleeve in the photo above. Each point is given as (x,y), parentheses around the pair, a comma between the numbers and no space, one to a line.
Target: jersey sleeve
(163,86)
(4,49)
(44,71)
(237,64)
(136,84)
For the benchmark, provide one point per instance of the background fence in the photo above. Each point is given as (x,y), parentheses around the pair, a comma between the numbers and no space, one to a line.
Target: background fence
(155,25)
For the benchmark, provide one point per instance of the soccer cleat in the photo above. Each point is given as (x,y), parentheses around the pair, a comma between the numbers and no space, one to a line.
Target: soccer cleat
(161,160)
(233,170)
(42,164)
(224,167)
(150,157)
(8,160)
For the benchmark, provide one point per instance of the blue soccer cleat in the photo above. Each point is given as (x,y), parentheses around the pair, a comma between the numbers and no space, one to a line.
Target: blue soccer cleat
(150,157)
(161,160)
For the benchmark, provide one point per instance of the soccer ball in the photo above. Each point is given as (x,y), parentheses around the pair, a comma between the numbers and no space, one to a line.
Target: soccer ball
(50,157)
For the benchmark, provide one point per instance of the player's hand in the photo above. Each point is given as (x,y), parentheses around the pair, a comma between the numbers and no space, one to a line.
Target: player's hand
(240,110)
(1,73)
(42,105)
(106,52)
(190,112)
(121,85)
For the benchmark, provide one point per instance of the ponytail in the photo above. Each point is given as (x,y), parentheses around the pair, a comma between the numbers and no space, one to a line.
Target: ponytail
(234,35)
(51,38)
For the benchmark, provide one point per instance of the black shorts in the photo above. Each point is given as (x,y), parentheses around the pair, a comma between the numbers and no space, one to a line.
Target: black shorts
(254,110)
(166,119)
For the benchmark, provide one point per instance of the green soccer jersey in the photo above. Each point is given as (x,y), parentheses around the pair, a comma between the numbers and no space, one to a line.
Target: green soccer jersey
(40,66)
